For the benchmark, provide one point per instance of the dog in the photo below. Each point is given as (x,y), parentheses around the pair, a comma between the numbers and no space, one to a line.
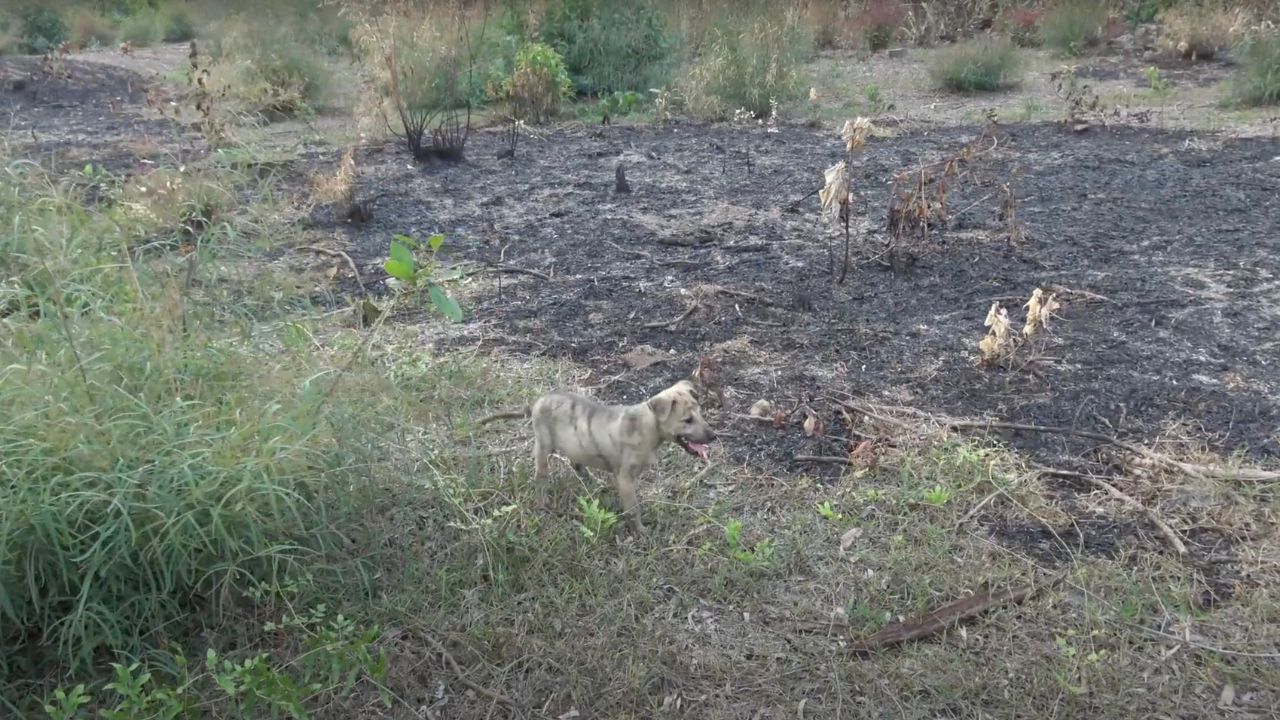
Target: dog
(621,439)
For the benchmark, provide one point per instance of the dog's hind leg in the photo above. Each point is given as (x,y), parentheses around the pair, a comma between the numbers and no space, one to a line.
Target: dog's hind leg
(541,471)
(630,503)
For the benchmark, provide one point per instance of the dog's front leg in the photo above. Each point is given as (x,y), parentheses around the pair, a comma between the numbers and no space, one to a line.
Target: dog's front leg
(627,491)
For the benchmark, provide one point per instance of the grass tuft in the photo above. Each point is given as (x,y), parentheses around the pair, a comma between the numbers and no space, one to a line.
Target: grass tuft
(747,68)
(1257,82)
(977,66)
(1073,26)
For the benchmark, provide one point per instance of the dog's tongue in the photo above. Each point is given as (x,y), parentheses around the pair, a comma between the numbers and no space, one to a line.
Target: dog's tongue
(700,449)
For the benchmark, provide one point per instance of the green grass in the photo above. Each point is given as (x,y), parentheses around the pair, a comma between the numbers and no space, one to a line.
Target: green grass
(747,67)
(1257,81)
(977,66)
(1072,27)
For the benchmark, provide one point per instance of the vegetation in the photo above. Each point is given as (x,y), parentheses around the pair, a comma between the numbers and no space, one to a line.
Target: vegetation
(239,479)
(1073,26)
(976,66)
(1257,82)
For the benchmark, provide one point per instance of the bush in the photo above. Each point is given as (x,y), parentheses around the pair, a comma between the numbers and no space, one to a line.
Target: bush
(1196,31)
(880,20)
(142,28)
(11,42)
(748,67)
(1257,82)
(609,46)
(267,71)
(976,66)
(539,83)
(152,468)
(176,24)
(1073,26)
(43,29)
(89,29)
(1021,25)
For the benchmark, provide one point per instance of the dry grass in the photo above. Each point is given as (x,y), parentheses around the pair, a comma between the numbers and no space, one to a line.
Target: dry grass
(1197,32)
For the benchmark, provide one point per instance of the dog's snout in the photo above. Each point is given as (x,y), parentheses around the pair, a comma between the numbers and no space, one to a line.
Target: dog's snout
(711,435)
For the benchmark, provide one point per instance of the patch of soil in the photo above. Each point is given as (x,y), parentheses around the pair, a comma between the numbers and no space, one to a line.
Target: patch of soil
(1176,233)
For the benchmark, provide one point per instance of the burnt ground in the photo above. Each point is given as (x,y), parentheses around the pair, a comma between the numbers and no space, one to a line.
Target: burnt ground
(1176,233)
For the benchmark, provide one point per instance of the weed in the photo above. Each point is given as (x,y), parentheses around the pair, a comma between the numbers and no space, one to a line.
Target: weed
(620,103)
(1073,26)
(610,46)
(43,30)
(1146,11)
(828,511)
(937,496)
(597,521)
(977,66)
(176,23)
(417,276)
(746,68)
(539,84)
(759,555)
(1160,85)
(1257,82)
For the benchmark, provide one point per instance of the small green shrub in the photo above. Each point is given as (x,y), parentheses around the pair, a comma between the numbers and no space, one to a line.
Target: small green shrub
(1257,81)
(266,70)
(976,66)
(1074,26)
(609,46)
(43,29)
(142,28)
(747,67)
(11,42)
(539,84)
(176,24)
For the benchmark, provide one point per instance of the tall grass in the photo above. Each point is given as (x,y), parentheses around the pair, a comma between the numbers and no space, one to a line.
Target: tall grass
(1257,81)
(747,65)
(152,465)
(611,46)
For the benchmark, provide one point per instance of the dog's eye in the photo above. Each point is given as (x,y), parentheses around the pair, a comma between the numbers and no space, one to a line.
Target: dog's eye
(688,420)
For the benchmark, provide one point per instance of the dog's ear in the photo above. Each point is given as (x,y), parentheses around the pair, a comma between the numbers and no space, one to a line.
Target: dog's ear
(661,405)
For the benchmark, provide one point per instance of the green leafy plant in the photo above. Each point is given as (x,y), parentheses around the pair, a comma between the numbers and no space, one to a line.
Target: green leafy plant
(596,520)
(758,555)
(1160,86)
(620,102)
(937,496)
(828,511)
(538,85)
(43,30)
(976,66)
(66,704)
(418,275)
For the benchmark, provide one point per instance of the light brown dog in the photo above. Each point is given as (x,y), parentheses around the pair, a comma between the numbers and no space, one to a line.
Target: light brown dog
(621,439)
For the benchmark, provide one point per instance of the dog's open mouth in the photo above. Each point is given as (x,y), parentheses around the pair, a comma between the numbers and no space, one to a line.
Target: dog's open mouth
(698,450)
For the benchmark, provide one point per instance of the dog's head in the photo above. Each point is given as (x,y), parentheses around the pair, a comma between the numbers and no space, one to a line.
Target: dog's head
(680,419)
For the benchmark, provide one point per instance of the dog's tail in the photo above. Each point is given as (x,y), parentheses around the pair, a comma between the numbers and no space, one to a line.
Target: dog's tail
(520,414)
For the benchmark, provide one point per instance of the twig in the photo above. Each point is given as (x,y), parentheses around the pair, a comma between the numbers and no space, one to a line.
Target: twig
(673,321)
(629,251)
(824,459)
(504,415)
(338,254)
(873,415)
(943,617)
(1165,529)
(796,204)
(457,671)
(504,268)
(1063,290)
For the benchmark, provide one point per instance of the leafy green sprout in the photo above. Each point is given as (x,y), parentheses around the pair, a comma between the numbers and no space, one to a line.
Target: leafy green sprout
(403,265)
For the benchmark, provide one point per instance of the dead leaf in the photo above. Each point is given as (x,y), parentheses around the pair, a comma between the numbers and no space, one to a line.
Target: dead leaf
(779,419)
(1228,696)
(643,356)
(332,272)
(835,190)
(812,424)
(855,132)
(849,537)
(761,409)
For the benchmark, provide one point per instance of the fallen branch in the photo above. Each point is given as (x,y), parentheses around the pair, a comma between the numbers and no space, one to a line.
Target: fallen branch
(942,618)
(825,460)
(873,415)
(1165,529)
(673,321)
(337,254)
(504,268)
